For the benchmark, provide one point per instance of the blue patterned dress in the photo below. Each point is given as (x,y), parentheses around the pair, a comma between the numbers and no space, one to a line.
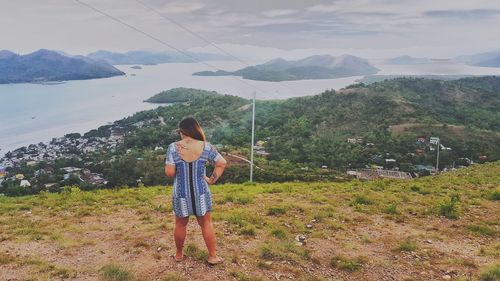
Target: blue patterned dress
(191,194)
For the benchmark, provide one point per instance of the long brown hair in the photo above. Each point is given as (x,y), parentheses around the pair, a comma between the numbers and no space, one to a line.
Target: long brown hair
(190,127)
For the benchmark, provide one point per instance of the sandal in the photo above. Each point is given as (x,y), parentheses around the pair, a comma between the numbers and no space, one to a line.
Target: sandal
(177,259)
(217,261)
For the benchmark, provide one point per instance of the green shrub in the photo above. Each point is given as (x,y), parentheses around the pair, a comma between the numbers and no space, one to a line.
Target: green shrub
(243,200)
(362,200)
(482,230)
(248,231)
(491,274)
(449,208)
(113,272)
(285,251)
(415,188)
(391,209)
(407,246)
(278,233)
(227,198)
(345,263)
(495,195)
(193,251)
(236,219)
(276,211)
(266,252)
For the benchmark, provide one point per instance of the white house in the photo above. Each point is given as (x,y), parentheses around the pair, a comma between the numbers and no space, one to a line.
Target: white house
(25,183)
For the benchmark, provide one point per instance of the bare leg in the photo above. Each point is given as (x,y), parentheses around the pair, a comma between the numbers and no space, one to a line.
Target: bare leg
(180,235)
(207,230)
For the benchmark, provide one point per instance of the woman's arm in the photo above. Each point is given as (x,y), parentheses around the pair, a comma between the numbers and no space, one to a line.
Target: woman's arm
(220,165)
(170,170)
(169,161)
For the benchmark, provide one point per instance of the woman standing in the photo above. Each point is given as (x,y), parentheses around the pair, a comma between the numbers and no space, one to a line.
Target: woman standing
(185,162)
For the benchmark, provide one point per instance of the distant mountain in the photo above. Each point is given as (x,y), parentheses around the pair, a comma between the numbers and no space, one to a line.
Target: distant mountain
(147,57)
(5,54)
(313,67)
(407,60)
(493,62)
(46,65)
(489,59)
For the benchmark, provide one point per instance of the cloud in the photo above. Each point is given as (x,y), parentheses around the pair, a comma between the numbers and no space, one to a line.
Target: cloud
(182,7)
(378,25)
(321,8)
(279,13)
(462,14)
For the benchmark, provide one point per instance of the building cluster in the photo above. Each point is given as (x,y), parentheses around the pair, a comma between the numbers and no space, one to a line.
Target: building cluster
(260,148)
(390,169)
(63,147)
(69,146)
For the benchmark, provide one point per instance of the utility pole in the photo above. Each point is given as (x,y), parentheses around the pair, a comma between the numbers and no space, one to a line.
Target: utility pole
(437,158)
(437,142)
(253,137)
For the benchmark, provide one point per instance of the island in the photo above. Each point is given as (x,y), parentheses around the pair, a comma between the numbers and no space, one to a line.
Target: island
(313,67)
(47,65)
(177,95)
(488,59)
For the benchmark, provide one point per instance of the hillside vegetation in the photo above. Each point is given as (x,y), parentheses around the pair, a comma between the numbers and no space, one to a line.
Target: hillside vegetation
(432,228)
(180,95)
(313,131)
(301,134)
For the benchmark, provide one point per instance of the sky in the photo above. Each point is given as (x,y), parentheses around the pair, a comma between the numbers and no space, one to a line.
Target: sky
(257,28)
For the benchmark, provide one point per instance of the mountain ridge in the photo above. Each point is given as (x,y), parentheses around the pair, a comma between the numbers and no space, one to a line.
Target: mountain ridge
(312,67)
(152,57)
(407,60)
(46,65)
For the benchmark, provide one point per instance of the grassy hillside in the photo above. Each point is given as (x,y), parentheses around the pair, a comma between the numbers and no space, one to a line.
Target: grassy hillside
(433,228)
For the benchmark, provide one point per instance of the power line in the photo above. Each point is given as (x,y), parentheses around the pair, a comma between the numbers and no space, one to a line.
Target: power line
(163,42)
(253,138)
(204,39)
(189,31)
(191,56)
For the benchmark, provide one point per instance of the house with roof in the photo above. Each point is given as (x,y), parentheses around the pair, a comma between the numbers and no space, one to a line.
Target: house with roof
(25,183)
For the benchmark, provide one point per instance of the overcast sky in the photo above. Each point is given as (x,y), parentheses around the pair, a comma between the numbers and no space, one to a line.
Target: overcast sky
(369,28)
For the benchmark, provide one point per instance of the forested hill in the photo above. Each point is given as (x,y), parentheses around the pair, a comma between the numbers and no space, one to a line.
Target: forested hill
(314,130)
(390,114)
(355,127)
(179,95)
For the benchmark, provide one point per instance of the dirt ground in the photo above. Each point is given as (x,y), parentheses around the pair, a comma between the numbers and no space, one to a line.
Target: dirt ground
(344,241)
